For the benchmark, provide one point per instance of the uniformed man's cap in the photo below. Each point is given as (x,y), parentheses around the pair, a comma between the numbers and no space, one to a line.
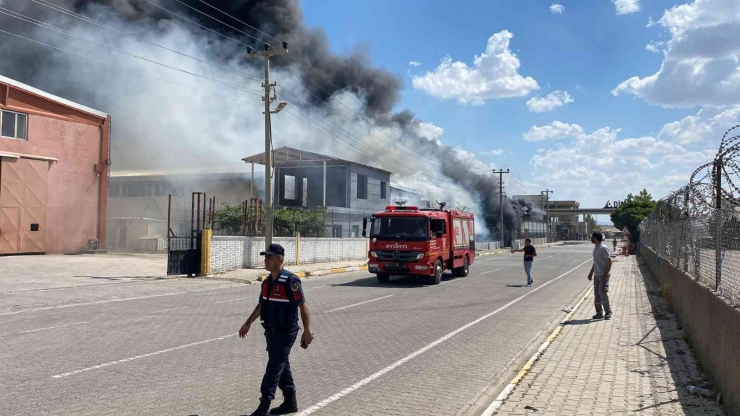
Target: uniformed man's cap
(274,249)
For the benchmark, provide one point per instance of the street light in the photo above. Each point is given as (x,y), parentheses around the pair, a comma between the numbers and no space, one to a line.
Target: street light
(280,107)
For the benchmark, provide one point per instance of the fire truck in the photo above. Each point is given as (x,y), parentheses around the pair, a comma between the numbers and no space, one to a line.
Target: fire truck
(406,240)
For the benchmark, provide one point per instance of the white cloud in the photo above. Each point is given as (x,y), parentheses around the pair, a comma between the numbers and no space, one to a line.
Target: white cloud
(414,63)
(600,166)
(554,130)
(700,64)
(494,75)
(627,6)
(497,152)
(695,129)
(557,8)
(550,102)
(655,47)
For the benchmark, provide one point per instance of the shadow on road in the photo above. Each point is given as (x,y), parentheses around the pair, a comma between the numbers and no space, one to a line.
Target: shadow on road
(579,322)
(396,282)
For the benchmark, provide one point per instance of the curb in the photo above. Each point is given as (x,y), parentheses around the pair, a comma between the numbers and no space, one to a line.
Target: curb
(335,270)
(499,401)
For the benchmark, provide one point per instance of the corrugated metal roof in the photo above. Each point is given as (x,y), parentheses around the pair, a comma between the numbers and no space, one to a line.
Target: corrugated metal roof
(52,97)
(292,155)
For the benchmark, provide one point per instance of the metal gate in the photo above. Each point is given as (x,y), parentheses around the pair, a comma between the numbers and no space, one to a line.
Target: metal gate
(184,250)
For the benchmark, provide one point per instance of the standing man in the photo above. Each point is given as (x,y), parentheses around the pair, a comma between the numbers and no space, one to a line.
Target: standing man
(600,275)
(614,243)
(280,299)
(529,254)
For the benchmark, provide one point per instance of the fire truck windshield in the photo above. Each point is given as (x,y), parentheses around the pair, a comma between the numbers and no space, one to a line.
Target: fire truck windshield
(400,228)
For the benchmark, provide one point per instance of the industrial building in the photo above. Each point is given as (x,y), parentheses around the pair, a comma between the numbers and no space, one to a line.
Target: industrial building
(54,159)
(349,190)
(138,202)
(566,226)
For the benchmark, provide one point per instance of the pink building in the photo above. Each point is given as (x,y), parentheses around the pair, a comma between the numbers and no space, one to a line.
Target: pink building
(54,159)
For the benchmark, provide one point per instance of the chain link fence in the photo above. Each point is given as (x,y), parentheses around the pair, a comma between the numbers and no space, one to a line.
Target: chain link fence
(697,228)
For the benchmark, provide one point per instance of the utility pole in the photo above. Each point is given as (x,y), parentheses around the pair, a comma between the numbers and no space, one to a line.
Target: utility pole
(500,173)
(547,193)
(267,53)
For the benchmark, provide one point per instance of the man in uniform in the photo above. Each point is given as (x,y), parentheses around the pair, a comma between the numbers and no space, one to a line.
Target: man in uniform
(600,275)
(280,299)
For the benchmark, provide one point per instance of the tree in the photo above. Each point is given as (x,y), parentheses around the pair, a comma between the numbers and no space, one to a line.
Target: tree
(229,217)
(632,211)
(287,220)
(592,223)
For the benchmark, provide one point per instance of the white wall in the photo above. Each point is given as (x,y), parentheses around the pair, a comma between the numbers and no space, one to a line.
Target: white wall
(228,253)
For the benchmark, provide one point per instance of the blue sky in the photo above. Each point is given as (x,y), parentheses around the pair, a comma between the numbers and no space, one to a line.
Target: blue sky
(587,50)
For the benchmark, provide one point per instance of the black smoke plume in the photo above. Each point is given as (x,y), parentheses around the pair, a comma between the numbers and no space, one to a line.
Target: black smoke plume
(321,73)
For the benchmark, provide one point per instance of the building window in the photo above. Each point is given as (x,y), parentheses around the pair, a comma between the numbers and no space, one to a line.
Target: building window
(289,187)
(383,194)
(13,125)
(361,186)
(305,192)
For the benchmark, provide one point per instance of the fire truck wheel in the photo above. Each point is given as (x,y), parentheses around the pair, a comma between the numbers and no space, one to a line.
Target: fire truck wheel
(437,277)
(383,277)
(463,271)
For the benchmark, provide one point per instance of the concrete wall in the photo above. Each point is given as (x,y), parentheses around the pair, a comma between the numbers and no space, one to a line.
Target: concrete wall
(76,139)
(228,253)
(713,326)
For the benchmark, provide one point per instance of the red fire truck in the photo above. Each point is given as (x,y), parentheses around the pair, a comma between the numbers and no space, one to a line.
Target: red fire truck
(406,240)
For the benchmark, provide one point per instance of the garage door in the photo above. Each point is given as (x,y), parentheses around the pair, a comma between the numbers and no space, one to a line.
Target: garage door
(23,193)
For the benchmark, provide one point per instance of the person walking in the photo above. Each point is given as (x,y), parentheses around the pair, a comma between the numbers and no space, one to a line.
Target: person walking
(280,299)
(529,254)
(614,243)
(600,275)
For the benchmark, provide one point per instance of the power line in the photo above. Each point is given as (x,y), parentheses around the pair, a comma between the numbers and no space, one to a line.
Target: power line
(139,38)
(311,79)
(109,64)
(27,19)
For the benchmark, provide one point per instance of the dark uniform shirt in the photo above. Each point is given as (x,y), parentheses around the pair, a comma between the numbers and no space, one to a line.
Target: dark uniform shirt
(528,251)
(279,300)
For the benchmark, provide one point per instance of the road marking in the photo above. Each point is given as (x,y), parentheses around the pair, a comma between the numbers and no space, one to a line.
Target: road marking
(499,401)
(490,271)
(100,302)
(151,354)
(416,353)
(169,310)
(357,304)
(232,300)
(51,327)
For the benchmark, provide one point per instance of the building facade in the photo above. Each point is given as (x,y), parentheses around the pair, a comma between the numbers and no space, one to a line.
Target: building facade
(350,191)
(54,160)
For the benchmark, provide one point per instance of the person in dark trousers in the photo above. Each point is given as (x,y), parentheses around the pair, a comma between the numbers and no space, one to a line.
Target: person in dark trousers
(600,275)
(614,244)
(529,254)
(280,299)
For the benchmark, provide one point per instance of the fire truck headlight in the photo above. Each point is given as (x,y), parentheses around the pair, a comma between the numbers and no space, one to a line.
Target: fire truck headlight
(374,254)
(420,256)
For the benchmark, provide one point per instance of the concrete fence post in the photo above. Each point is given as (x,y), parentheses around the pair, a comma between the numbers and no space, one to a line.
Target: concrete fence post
(298,248)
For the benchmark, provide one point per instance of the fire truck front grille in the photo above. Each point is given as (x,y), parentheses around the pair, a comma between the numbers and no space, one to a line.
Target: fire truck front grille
(398,256)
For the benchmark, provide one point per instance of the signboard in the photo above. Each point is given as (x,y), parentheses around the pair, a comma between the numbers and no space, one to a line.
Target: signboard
(613,204)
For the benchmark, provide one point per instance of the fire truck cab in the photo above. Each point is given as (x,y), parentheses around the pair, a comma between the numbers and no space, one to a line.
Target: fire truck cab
(406,240)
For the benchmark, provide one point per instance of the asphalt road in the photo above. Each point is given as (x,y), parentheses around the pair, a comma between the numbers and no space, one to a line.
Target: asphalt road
(400,348)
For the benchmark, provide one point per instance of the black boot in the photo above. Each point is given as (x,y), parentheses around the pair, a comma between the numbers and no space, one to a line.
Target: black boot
(290,405)
(262,409)
(598,315)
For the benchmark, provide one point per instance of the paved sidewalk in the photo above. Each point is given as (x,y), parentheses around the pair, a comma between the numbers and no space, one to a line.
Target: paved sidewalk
(637,363)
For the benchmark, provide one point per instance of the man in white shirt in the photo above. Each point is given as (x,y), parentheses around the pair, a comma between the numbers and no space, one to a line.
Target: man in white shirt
(600,275)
